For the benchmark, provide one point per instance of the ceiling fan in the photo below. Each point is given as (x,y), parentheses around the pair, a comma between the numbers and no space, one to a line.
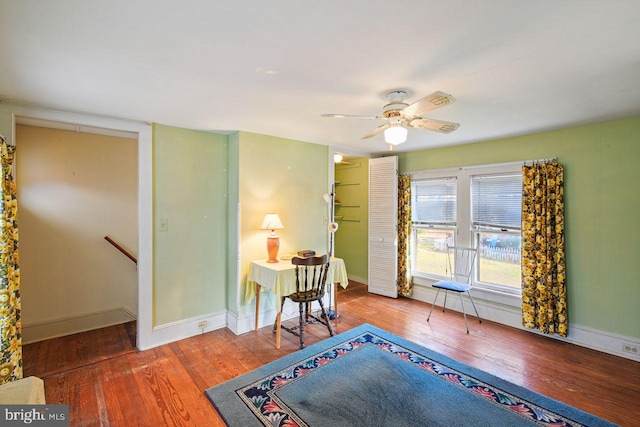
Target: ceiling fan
(400,114)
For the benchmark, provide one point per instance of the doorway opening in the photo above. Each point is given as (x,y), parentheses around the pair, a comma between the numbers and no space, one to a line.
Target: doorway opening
(76,185)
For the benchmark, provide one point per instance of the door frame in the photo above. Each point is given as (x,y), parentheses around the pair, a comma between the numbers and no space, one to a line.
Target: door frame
(145,337)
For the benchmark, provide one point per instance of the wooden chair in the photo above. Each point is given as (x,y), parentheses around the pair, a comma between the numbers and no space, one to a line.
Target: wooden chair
(460,266)
(311,278)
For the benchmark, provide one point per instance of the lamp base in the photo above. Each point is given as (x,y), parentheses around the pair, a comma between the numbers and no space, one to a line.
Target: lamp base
(273,244)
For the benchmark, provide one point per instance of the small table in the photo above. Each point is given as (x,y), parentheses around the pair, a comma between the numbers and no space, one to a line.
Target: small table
(280,278)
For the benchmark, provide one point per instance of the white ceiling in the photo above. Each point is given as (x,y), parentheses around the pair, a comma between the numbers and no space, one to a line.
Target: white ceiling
(272,67)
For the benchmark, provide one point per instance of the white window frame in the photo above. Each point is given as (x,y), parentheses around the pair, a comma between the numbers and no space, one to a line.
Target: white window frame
(445,226)
(464,232)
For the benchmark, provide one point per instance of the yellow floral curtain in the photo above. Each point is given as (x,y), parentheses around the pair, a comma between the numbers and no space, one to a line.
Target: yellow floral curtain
(405,281)
(10,319)
(544,290)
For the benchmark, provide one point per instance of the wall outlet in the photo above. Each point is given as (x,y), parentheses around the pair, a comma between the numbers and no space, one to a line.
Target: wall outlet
(202,324)
(630,348)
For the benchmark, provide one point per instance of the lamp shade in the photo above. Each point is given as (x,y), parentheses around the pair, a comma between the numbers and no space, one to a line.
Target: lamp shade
(271,222)
(395,135)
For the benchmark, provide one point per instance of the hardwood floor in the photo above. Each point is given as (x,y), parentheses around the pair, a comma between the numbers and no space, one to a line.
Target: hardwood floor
(50,357)
(113,384)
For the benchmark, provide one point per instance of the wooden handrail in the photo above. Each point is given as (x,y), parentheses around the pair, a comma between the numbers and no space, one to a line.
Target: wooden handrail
(121,249)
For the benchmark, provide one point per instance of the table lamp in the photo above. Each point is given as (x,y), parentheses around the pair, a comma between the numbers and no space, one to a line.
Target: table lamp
(272,222)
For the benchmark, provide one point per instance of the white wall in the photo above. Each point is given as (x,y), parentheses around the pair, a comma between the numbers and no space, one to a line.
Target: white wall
(74,189)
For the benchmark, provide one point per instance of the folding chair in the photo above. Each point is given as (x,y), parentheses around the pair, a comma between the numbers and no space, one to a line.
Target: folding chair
(460,266)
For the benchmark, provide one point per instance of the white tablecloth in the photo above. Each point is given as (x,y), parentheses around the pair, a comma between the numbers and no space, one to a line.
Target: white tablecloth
(280,277)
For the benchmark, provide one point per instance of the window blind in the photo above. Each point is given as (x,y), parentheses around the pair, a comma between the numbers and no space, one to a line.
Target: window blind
(496,202)
(434,202)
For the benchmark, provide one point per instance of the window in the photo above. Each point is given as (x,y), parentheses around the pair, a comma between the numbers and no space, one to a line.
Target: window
(434,221)
(496,206)
(477,207)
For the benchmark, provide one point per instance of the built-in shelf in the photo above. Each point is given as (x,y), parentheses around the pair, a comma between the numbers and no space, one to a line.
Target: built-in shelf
(348,207)
(347,165)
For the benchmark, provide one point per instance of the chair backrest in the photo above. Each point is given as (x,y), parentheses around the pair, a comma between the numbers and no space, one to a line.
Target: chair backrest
(461,261)
(311,275)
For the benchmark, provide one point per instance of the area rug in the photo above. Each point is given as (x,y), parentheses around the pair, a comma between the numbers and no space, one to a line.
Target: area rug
(369,377)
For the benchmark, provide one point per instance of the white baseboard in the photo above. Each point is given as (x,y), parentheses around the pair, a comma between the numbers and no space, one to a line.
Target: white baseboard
(55,328)
(185,328)
(606,342)
(246,323)
(510,315)
(359,279)
(499,313)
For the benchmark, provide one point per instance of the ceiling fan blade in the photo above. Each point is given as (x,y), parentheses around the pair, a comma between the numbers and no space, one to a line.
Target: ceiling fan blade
(351,116)
(376,131)
(428,103)
(436,125)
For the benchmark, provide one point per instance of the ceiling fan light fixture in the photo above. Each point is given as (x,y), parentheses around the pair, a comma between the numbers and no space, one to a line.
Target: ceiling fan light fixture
(337,157)
(399,115)
(395,135)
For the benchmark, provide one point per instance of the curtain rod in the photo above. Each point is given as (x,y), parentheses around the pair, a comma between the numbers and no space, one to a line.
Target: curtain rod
(548,159)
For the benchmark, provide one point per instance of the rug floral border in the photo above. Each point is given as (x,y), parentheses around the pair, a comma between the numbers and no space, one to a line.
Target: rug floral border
(260,396)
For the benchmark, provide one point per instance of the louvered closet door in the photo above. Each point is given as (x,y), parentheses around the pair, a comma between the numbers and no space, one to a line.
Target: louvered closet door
(383,226)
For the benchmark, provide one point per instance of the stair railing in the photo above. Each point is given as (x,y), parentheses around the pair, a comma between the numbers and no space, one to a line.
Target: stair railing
(121,249)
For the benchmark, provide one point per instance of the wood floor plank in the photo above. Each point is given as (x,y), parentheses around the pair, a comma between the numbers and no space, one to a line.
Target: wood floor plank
(106,382)
(48,357)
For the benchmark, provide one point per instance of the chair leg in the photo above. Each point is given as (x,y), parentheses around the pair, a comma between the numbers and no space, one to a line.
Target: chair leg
(326,318)
(474,307)
(445,300)
(464,313)
(301,324)
(433,305)
(307,311)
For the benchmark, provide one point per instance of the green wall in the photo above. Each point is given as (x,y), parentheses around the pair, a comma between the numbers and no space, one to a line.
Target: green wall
(352,215)
(189,192)
(215,190)
(602,205)
(286,177)
(195,260)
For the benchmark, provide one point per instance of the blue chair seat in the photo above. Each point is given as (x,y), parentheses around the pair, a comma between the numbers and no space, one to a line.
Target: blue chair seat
(460,262)
(452,286)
